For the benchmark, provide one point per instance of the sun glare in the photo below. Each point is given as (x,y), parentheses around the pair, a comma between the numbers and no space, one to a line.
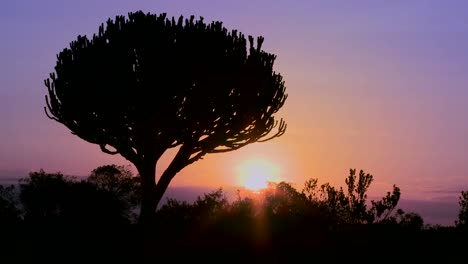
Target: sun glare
(254,174)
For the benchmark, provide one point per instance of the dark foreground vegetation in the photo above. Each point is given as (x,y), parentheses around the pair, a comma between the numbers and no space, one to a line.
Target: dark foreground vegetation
(50,217)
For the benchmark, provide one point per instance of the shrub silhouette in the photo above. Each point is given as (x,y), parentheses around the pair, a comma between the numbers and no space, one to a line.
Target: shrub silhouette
(55,199)
(148,83)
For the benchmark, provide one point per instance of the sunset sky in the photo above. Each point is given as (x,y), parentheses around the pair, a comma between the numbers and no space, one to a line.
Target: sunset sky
(375,85)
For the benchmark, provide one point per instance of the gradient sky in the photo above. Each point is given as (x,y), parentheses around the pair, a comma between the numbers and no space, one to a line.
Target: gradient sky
(375,85)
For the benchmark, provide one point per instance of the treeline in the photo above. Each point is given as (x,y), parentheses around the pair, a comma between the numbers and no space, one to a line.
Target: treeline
(317,217)
(111,194)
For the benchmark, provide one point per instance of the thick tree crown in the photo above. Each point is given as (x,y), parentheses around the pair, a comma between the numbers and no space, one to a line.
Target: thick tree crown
(147,83)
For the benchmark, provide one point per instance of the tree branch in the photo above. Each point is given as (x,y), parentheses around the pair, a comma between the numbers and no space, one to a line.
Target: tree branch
(196,157)
(49,116)
(281,130)
(180,160)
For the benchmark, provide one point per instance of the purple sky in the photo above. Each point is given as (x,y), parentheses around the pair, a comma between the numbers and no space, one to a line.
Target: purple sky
(375,85)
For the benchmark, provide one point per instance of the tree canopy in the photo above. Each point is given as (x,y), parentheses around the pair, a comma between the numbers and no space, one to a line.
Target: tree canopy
(147,83)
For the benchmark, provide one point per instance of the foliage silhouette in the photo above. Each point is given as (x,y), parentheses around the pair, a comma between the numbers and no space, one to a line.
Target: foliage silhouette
(147,83)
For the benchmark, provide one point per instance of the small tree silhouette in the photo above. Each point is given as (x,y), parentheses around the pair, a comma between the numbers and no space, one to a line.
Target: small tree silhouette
(147,83)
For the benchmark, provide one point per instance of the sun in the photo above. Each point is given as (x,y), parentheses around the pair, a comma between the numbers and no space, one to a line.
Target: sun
(257,182)
(254,174)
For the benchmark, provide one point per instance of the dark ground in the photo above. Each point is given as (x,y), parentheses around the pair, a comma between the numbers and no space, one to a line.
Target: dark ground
(129,244)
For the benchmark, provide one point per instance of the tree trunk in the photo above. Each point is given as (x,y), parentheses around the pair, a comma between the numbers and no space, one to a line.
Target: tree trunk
(149,202)
(152,193)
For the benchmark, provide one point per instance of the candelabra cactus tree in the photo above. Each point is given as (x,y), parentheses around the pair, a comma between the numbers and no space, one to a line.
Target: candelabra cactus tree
(147,83)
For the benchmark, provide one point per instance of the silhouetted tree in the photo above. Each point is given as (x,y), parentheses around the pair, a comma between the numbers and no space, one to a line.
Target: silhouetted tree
(120,182)
(209,206)
(282,199)
(43,194)
(147,83)
(382,210)
(357,195)
(242,208)
(462,221)
(412,221)
(113,178)
(175,212)
(186,222)
(351,207)
(289,213)
(335,203)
